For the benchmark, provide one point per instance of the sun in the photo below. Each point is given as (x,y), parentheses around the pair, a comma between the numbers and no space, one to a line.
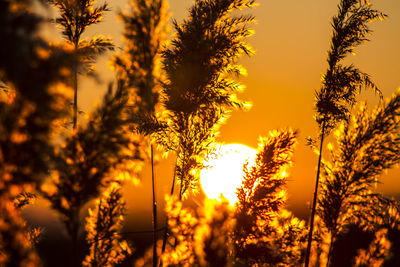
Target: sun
(224,173)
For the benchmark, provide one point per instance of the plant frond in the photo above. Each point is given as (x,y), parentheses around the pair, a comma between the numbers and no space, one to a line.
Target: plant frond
(87,163)
(341,84)
(103,226)
(377,252)
(265,232)
(366,146)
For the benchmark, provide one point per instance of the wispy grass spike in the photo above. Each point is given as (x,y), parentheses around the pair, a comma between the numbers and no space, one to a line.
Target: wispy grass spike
(341,84)
(199,92)
(144,35)
(367,145)
(103,226)
(265,232)
(74,18)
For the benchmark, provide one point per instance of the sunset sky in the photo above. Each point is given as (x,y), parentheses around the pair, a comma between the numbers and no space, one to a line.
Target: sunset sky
(291,39)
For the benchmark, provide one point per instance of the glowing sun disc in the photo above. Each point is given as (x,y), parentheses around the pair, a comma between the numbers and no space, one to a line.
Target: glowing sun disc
(224,173)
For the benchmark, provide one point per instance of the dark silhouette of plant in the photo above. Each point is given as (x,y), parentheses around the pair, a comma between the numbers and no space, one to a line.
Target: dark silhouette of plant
(377,253)
(204,235)
(198,91)
(341,84)
(15,246)
(103,227)
(367,145)
(30,71)
(90,159)
(24,198)
(266,234)
(257,231)
(145,32)
(75,17)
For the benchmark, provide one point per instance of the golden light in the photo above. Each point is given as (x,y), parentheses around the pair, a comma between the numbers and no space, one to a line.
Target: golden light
(225,171)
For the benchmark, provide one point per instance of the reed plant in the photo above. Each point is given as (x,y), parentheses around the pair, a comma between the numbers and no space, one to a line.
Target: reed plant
(31,101)
(144,35)
(265,232)
(199,92)
(341,83)
(103,227)
(367,145)
(177,96)
(90,159)
(74,19)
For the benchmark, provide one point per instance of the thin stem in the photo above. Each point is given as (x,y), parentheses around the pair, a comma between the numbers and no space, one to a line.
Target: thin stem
(328,263)
(75,226)
(155,261)
(96,237)
(180,199)
(181,190)
(181,180)
(164,244)
(75,87)
(173,178)
(310,233)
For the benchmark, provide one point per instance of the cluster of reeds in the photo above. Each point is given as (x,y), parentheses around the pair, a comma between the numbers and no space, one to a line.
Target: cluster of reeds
(88,159)
(32,71)
(265,231)
(341,83)
(139,66)
(176,96)
(199,91)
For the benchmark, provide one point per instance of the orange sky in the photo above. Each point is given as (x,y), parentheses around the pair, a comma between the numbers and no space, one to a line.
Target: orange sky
(291,41)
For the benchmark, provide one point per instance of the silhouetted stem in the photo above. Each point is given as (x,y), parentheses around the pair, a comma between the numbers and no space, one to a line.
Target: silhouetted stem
(165,237)
(74,235)
(155,261)
(75,87)
(75,223)
(310,233)
(181,180)
(75,83)
(180,191)
(75,99)
(96,237)
(173,178)
(333,237)
(180,199)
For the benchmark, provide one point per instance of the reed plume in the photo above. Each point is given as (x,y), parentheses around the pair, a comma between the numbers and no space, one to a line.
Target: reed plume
(203,234)
(93,157)
(103,227)
(31,100)
(145,33)
(266,233)
(74,18)
(367,145)
(198,92)
(377,252)
(341,83)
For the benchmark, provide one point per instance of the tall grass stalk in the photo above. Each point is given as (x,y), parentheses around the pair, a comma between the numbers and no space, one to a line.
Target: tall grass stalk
(155,260)
(315,196)
(341,84)
(367,145)
(145,34)
(165,236)
(33,97)
(75,17)
(199,91)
